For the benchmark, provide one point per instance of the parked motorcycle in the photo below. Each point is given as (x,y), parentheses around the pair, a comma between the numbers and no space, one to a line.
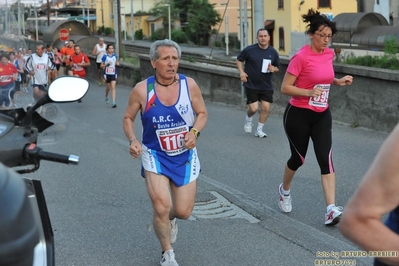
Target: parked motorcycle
(26,235)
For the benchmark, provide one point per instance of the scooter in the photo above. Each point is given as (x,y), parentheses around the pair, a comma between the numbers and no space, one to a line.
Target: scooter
(26,235)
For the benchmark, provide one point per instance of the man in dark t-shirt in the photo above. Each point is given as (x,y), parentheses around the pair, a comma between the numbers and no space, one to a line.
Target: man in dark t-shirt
(261,60)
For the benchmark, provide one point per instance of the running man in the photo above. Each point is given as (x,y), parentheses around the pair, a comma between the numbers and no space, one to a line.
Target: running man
(173,113)
(39,65)
(99,51)
(78,61)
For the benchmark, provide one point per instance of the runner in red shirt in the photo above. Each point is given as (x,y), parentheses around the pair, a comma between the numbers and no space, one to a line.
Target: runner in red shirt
(78,62)
(8,75)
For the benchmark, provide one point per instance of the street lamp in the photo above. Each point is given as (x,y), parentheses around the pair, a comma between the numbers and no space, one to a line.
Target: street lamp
(169,28)
(132,19)
(226,27)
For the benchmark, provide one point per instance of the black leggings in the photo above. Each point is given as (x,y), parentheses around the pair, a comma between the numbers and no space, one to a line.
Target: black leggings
(301,124)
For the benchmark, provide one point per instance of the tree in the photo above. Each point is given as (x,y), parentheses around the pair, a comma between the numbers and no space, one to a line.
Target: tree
(201,17)
(161,10)
(182,7)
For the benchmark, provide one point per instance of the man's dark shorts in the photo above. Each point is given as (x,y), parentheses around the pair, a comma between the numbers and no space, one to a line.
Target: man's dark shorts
(259,95)
(98,65)
(41,87)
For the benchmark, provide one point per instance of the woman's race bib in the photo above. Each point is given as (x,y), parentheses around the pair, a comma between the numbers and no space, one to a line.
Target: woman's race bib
(110,70)
(171,140)
(322,99)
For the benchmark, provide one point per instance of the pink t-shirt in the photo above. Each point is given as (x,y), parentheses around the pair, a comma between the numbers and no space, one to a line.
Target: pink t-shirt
(312,69)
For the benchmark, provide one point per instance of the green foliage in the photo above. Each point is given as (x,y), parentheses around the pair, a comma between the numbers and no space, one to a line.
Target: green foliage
(159,9)
(201,17)
(190,59)
(182,9)
(122,53)
(108,31)
(101,29)
(138,35)
(214,31)
(390,47)
(385,61)
(388,61)
(218,44)
(140,13)
(132,60)
(179,36)
(158,35)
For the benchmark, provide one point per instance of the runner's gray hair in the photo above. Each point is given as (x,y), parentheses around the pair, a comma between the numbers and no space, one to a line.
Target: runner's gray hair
(169,43)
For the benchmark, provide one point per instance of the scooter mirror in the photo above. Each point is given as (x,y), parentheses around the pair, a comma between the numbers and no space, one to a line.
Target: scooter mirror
(68,89)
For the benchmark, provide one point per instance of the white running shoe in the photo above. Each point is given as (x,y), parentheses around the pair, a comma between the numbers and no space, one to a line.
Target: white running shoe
(248,126)
(285,201)
(333,216)
(173,231)
(260,134)
(168,259)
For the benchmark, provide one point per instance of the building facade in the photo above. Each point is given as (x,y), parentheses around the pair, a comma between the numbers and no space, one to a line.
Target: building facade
(288,30)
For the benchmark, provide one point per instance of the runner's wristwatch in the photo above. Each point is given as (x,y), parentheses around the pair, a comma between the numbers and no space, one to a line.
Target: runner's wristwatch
(196,132)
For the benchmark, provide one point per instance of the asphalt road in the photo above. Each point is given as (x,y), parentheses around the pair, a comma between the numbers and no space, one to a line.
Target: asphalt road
(101,214)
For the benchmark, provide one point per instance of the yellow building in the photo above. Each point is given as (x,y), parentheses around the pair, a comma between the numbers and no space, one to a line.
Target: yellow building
(105,11)
(229,11)
(282,18)
(288,33)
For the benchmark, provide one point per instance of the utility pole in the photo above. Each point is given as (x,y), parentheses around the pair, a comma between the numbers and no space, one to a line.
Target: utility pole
(132,18)
(116,27)
(88,14)
(258,18)
(117,21)
(48,13)
(23,20)
(19,20)
(102,15)
(241,26)
(6,25)
(118,6)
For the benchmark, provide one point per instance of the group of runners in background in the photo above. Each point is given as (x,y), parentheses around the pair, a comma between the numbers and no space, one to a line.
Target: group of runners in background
(21,69)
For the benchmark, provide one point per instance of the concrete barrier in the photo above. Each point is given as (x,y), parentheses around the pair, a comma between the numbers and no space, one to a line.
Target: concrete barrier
(372,101)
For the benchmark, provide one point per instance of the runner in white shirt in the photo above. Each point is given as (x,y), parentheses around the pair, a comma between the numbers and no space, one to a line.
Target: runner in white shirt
(99,50)
(38,65)
(109,63)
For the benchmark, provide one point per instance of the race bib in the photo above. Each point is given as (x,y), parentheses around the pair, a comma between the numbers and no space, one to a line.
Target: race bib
(41,67)
(171,140)
(5,78)
(110,70)
(77,68)
(322,99)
